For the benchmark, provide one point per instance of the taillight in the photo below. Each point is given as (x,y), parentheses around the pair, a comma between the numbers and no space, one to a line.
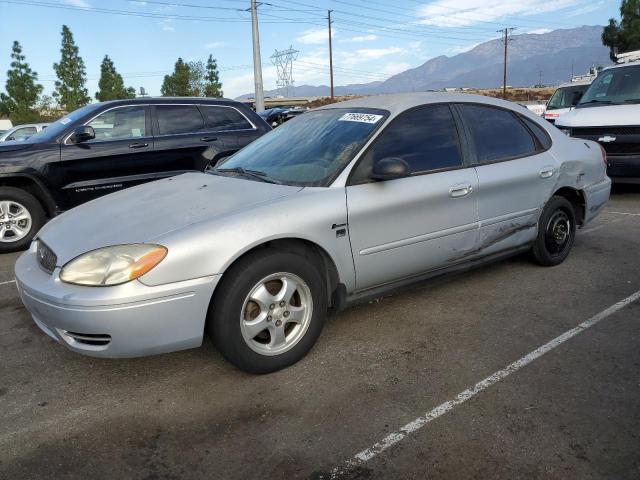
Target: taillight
(604,154)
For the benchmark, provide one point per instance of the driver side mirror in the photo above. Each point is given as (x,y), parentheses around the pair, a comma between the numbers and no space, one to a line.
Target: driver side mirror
(390,168)
(82,134)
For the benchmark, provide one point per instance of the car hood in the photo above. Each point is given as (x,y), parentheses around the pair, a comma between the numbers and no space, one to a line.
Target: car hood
(604,116)
(143,213)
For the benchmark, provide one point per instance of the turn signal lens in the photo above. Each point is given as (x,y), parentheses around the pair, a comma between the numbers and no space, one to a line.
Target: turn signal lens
(112,265)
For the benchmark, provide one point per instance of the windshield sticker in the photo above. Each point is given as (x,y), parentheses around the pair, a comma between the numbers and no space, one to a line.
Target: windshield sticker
(360,117)
(64,121)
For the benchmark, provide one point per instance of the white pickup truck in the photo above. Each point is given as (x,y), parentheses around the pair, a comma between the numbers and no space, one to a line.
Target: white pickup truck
(609,113)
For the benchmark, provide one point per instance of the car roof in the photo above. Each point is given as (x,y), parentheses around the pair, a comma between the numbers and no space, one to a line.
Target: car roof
(581,83)
(397,103)
(622,65)
(161,100)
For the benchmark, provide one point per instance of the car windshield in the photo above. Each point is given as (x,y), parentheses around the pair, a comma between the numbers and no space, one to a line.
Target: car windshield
(615,86)
(57,128)
(566,97)
(310,150)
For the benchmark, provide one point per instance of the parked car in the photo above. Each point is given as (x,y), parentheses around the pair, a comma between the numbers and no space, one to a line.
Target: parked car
(339,204)
(22,132)
(278,115)
(564,99)
(109,146)
(609,113)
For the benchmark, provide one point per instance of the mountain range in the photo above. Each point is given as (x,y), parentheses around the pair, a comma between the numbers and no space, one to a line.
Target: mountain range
(556,54)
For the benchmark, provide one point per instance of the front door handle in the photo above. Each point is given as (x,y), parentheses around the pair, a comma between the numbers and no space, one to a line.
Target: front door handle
(547,172)
(208,139)
(460,191)
(138,145)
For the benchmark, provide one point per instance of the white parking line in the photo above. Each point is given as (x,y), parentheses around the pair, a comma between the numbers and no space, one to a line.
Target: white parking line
(626,213)
(8,282)
(593,229)
(418,423)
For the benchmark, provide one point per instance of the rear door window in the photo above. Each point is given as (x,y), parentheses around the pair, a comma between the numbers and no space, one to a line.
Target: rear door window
(496,133)
(175,119)
(223,118)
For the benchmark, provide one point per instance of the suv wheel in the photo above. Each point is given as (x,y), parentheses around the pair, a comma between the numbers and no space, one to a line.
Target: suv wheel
(556,232)
(268,311)
(21,216)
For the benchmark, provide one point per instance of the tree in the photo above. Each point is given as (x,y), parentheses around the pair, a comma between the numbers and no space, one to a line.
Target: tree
(213,86)
(178,84)
(111,84)
(196,79)
(22,90)
(70,90)
(624,35)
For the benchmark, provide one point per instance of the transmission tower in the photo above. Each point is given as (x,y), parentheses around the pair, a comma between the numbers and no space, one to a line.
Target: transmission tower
(283,60)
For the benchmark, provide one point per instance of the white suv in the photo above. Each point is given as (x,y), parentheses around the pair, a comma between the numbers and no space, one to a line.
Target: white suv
(609,113)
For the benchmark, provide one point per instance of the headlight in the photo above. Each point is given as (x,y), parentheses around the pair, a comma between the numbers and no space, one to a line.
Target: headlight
(112,265)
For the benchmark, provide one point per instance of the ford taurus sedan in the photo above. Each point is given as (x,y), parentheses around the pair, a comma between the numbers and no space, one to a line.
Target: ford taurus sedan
(338,205)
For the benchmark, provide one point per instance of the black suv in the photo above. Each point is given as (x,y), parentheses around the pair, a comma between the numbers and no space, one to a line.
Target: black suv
(105,147)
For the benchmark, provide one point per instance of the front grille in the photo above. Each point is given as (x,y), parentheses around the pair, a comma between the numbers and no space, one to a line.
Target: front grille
(593,131)
(622,148)
(46,258)
(92,339)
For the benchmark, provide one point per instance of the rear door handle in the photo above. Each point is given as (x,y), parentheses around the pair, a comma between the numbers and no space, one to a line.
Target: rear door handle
(208,139)
(458,191)
(138,145)
(547,172)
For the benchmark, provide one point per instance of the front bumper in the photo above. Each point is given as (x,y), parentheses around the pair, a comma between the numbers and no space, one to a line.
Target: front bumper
(126,320)
(624,168)
(596,197)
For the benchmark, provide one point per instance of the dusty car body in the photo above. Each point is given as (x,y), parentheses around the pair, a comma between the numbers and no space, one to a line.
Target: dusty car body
(247,252)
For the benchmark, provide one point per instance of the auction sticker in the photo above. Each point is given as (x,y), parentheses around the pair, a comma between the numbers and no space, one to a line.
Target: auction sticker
(360,117)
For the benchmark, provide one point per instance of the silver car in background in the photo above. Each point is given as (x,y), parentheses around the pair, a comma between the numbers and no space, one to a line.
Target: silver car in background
(22,132)
(335,206)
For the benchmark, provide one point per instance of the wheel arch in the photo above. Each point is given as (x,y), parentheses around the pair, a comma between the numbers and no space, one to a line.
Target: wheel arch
(34,186)
(306,248)
(577,198)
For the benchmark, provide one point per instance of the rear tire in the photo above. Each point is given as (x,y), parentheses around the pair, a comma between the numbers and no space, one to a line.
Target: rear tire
(556,232)
(268,311)
(21,216)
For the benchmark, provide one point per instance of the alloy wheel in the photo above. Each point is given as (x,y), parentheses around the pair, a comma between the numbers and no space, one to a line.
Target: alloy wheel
(276,313)
(15,221)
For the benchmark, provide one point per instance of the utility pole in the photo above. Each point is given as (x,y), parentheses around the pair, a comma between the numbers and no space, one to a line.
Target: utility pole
(330,52)
(506,33)
(257,65)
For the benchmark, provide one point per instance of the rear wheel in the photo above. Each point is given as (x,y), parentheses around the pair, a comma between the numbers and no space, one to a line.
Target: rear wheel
(268,311)
(21,216)
(556,232)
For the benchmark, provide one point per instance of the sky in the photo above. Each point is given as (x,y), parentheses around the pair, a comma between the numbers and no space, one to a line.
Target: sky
(372,39)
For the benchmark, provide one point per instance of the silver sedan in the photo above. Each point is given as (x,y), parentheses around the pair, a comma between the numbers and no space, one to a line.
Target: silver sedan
(335,206)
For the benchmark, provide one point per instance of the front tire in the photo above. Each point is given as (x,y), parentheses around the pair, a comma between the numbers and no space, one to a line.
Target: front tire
(556,232)
(21,216)
(268,310)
